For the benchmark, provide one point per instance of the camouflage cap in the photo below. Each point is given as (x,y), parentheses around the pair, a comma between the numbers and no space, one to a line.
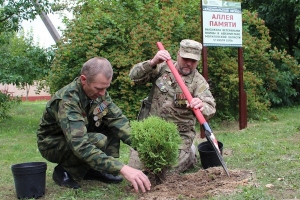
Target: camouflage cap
(190,49)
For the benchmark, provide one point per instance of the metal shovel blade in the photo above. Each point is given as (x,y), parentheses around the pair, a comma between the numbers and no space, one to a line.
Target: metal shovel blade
(208,137)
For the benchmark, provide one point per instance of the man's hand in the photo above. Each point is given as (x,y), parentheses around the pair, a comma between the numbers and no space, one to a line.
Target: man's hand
(137,178)
(161,56)
(196,103)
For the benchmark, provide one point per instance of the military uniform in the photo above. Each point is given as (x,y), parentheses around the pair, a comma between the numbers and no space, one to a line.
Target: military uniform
(80,134)
(170,103)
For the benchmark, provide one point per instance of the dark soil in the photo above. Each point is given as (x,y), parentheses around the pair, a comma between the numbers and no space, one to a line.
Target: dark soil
(199,185)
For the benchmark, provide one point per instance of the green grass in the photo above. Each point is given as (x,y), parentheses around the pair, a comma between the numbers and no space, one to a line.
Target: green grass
(270,149)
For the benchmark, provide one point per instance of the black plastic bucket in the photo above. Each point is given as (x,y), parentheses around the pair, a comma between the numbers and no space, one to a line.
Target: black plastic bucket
(30,179)
(208,156)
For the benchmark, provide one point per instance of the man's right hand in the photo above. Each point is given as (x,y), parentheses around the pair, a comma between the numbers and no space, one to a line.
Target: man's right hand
(161,56)
(137,178)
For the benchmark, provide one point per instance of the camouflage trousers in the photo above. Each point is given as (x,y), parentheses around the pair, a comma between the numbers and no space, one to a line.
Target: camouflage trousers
(63,155)
(186,158)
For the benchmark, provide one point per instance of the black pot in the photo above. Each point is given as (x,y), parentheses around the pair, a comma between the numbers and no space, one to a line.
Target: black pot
(30,179)
(208,156)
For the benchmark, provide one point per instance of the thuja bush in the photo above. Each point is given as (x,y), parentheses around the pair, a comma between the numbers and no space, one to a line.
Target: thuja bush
(157,142)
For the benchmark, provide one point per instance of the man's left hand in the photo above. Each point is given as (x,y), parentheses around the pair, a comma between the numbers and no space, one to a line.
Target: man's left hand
(196,103)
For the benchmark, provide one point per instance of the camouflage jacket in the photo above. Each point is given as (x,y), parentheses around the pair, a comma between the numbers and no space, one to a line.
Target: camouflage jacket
(69,115)
(168,100)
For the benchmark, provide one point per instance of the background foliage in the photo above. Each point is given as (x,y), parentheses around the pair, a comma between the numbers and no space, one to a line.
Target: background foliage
(283,20)
(126,32)
(6,103)
(22,62)
(268,73)
(13,12)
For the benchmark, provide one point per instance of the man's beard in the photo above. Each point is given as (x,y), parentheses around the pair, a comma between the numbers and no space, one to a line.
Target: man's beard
(184,73)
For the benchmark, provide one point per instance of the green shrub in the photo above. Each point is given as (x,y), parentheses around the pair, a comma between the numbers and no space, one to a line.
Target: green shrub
(6,102)
(157,142)
(125,33)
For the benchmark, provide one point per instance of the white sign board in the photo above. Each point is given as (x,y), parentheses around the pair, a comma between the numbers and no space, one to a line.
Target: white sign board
(222,23)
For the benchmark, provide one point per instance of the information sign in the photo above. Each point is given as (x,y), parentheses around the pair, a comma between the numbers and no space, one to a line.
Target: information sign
(222,23)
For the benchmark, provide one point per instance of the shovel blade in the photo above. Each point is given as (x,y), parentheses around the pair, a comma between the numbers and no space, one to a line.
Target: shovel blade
(210,137)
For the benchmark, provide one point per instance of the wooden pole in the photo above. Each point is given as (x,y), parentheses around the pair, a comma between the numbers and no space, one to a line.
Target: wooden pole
(204,63)
(242,93)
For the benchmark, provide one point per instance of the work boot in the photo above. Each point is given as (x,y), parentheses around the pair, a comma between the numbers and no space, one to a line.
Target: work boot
(101,176)
(62,178)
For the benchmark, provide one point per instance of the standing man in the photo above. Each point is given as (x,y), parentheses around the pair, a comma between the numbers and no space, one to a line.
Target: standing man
(81,129)
(168,100)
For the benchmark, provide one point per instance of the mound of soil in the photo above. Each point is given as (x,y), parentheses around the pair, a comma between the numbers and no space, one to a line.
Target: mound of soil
(198,185)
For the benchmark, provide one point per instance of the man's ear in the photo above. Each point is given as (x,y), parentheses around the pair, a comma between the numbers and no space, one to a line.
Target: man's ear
(83,79)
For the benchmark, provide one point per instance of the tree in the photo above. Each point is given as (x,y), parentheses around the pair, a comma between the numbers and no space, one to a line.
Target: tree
(126,32)
(283,20)
(268,72)
(12,12)
(22,63)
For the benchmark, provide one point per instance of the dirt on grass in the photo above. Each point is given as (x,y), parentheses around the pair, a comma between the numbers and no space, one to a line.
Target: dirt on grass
(199,184)
(202,184)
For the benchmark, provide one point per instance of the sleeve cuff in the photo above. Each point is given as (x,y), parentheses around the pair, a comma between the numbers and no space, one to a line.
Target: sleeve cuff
(147,67)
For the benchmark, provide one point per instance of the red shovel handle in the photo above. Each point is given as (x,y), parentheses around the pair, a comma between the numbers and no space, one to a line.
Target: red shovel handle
(183,87)
(208,133)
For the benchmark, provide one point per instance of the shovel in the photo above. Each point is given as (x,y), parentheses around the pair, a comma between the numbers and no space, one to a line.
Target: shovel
(208,133)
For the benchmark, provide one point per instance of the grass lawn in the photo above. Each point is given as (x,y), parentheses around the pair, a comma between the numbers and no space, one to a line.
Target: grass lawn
(269,148)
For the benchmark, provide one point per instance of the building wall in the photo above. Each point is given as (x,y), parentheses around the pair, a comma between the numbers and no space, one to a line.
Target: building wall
(32,96)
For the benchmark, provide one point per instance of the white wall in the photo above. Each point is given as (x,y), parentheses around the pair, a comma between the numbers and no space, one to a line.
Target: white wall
(14,91)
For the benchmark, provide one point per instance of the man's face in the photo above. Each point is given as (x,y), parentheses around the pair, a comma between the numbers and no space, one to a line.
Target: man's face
(186,66)
(96,87)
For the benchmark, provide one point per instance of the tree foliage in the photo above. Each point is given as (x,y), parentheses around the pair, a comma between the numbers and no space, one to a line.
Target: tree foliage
(126,32)
(268,72)
(13,12)
(283,20)
(6,103)
(22,62)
